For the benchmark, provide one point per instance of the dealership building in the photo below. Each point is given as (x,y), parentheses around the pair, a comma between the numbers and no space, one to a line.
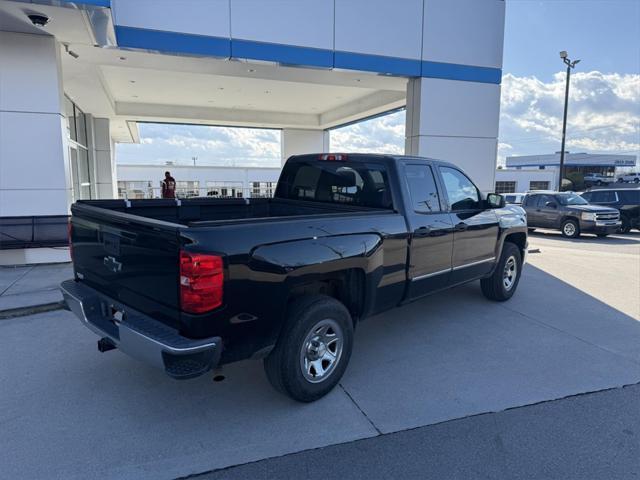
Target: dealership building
(77,77)
(541,172)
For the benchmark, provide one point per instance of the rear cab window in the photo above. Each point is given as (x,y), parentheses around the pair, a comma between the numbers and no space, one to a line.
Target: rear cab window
(422,188)
(364,184)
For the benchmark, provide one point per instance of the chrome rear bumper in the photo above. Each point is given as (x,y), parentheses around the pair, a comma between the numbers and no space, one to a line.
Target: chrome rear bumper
(139,335)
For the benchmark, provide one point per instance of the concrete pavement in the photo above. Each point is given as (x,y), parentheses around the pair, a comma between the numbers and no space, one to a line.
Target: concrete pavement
(27,286)
(67,411)
(591,436)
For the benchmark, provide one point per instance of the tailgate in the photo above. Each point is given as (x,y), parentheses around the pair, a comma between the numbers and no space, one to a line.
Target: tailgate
(129,258)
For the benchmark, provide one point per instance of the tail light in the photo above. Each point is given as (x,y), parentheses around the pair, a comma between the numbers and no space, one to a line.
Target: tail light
(70,237)
(333,157)
(201,282)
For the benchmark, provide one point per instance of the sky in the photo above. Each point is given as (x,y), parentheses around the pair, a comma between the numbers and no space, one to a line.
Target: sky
(604,108)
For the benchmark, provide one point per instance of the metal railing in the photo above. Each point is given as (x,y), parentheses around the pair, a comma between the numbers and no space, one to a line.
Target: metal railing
(209,192)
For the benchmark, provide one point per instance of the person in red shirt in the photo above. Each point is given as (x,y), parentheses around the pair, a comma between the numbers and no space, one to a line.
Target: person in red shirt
(168,186)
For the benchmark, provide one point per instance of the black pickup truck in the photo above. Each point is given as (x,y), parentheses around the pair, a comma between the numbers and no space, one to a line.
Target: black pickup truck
(193,284)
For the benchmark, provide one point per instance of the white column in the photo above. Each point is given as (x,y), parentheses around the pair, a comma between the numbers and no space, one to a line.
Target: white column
(35,177)
(298,142)
(455,121)
(105,184)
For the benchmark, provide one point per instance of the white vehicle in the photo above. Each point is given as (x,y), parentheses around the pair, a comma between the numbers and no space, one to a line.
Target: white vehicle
(514,198)
(597,179)
(629,178)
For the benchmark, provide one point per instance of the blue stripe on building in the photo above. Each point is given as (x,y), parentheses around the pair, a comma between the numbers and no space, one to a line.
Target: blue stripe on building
(174,42)
(454,71)
(276,52)
(377,63)
(95,3)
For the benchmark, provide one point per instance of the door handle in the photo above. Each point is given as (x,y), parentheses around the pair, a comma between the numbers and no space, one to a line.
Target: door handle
(422,231)
(461,227)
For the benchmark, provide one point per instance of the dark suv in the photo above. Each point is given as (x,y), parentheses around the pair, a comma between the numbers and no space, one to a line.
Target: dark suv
(627,200)
(569,213)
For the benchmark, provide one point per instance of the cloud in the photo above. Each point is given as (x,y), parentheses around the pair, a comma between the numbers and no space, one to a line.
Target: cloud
(378,135)
(603,114)
(161,143)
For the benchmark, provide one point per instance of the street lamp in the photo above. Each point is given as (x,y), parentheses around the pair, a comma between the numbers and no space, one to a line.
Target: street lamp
(567,61)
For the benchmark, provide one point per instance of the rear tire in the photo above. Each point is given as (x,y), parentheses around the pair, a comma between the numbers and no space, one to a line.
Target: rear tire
(570,229)
(313,350)
(502,284)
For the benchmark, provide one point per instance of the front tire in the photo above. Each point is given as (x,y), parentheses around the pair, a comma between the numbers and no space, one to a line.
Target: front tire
(313,350)
(570,229)
(626,225)
(502,284)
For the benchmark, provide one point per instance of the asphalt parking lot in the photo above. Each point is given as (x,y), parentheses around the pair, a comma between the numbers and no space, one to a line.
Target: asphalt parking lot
(573,327)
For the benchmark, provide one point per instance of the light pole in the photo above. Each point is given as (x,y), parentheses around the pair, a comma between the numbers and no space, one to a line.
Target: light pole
(565,58)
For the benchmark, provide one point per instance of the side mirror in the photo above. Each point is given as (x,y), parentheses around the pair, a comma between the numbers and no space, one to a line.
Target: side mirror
(551,205)
(495,200)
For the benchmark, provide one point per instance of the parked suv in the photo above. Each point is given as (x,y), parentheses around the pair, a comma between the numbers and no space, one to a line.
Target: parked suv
(591,179)
(569,213)
(627,200)
(629,178)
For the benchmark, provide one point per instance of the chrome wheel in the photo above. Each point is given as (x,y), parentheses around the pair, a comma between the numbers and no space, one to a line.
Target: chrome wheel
(569,229)
(510,273)
(321,350)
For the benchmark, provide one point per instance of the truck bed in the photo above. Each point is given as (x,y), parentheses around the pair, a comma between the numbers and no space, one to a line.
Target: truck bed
(207,211)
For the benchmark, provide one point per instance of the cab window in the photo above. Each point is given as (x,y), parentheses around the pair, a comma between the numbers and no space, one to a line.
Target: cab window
(462,193)
(422,188)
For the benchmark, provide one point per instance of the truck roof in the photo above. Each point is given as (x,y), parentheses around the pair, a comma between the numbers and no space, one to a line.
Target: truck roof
(363,157)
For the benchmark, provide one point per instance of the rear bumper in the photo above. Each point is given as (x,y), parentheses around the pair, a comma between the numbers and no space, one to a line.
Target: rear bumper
(139,335)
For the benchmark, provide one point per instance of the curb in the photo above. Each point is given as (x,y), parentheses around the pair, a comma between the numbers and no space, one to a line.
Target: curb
(30,310)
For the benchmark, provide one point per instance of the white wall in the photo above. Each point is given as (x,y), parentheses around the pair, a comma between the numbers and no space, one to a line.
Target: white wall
(468,32)
(34,158)
(457,122)
(525,176)
(298,142)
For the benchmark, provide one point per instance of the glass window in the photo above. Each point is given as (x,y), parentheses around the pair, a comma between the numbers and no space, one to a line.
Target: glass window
(462,193)
(630,197)
(134,189)
(225,189)
(186,188)
(422,188)
(71,118)
(571,199)
(355,183)
(601,197)
(544,199)
(538,185)
(262,189)
(505,187)
(81,127)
